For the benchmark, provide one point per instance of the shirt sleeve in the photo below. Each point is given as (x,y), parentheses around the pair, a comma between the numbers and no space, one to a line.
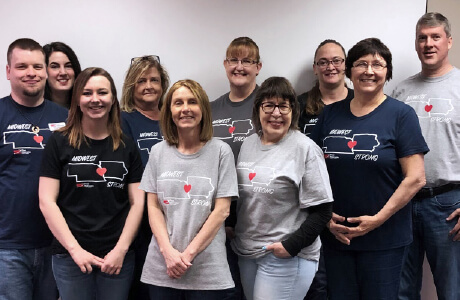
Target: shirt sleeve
(409,138)
(51,166)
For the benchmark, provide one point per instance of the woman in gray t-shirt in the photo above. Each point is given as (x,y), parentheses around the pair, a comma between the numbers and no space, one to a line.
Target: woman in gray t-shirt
(285,199)
(189,179)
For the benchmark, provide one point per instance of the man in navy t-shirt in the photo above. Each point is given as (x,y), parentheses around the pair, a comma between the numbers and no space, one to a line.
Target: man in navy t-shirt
(26,122)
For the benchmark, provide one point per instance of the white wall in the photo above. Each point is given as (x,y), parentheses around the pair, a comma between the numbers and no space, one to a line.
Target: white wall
(191,36)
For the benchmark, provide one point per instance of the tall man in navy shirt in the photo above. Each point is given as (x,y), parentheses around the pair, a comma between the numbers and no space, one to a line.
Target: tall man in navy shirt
(26,122)
(434,93)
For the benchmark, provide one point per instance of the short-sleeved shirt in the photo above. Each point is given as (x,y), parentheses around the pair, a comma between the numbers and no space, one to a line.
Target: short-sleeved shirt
(362,156)
(144,131)
(436,101)
(276,184)
(307,121)
(93,188)
(22,225)
(232,121)
(187,186)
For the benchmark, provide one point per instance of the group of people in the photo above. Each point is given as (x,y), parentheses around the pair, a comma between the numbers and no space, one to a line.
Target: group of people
(335,194)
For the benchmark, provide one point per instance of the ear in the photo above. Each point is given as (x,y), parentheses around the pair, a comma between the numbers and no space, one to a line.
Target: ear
(8,71)
(314,69)
(449,41)
(259,66)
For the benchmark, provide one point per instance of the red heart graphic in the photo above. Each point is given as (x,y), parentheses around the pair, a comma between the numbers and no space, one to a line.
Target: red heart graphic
(351,144)
(252,175)
(38,138)
(326,155)
(231,129)
(79,184)
(166,202)
(101,171)
(187,188)
(428,108)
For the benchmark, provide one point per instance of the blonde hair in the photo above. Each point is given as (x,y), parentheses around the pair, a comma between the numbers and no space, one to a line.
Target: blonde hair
(168,127)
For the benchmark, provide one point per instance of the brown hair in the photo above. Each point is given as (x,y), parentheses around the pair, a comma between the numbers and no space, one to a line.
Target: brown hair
(24,44)
(240,44)
(434,19)
(74,129)
(169,129)
(275,87)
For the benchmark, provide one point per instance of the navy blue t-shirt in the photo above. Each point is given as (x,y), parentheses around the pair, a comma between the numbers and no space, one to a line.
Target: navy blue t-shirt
(144,131)
(22,225)
(362,156)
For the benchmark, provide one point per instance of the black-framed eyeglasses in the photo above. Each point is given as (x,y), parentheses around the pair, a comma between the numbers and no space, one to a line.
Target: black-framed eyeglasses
(336,62)
(136,60)
(269,108)
(364,65)
(245,62)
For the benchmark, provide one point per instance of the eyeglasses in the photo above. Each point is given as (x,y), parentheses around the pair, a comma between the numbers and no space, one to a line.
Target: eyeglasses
(364,65)
(269,108)
(245,62)
(136,60)
(324,63)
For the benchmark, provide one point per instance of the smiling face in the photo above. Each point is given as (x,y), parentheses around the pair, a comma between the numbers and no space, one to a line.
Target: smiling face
(27,73)
(239,76)
(432,46)
(274,125)
(61,75)
(368,80)
(330,75)
(147,89)
(96,99)
(185,110)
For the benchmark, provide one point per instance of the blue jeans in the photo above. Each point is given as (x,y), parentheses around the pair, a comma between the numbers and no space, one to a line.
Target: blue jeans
(431,237)
(355,275)
(270,277)
(26,274)
(73,284)
(166,293)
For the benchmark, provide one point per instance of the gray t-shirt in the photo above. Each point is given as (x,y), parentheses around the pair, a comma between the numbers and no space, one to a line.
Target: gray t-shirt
(276,183)
(232,120)
(436,101)
(187,186)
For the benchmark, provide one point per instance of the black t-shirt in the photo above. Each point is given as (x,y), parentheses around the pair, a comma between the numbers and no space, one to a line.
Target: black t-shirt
(93,191)
(306,121)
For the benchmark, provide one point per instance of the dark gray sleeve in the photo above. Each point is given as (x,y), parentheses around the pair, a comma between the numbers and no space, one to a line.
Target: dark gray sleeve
(310,228)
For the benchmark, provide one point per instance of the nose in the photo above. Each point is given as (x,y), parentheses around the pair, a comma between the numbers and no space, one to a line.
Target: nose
(369,69)
(276,111)
(148,84)
(31,71)
(429,42)
(62,70)
(239,65)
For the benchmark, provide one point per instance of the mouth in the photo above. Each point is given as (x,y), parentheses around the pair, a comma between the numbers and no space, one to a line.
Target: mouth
(368,80)
(186,118)
(239,74)
(276,124)
(63,81)
(96,107)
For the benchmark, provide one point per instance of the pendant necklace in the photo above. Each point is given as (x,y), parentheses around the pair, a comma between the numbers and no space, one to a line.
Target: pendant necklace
(35,129)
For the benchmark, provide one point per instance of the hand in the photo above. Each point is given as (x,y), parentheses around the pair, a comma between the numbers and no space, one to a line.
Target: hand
(339,231)
(86,260)
(229,232)
(113,262)
(455,232)
(278,250)
(365,224)
(176,265)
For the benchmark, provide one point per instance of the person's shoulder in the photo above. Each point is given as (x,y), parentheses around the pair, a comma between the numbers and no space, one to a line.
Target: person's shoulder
(217,143)
(219,101)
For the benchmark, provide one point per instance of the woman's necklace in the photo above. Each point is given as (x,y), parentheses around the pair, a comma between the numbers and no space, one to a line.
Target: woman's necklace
(35,129)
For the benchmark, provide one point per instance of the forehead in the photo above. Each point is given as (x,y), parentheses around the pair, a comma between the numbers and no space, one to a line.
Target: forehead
(428,30)
(19,55)
(182,92)
(329,50)
(97,82)
(150,72)
(58,56)
(276,100)
(371,57)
